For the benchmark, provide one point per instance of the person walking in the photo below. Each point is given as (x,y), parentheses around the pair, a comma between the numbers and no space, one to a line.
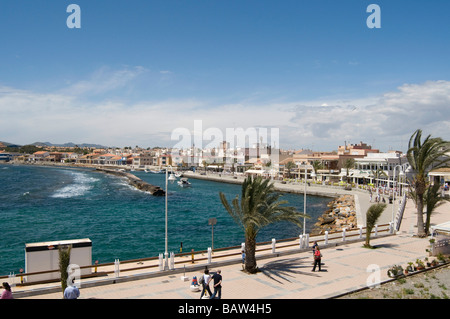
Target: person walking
(7,293)
(205,283)
(217,284)
(314,246)
(71,292)
(317,259)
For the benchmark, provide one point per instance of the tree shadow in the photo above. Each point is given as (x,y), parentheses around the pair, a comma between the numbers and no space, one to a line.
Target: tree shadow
(388,245)
(285,269)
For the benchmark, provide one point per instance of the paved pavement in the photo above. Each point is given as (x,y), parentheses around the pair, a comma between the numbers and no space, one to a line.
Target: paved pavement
(285,274)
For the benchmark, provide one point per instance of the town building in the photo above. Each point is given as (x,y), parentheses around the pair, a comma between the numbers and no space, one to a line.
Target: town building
(378,168)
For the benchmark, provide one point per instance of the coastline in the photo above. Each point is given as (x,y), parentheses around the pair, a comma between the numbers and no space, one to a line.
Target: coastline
(341,212)
(131,178)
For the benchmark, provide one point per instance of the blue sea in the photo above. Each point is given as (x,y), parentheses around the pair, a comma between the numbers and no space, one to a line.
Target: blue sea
(49,204)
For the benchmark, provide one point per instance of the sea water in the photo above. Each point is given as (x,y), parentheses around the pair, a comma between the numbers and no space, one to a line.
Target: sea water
(40,204)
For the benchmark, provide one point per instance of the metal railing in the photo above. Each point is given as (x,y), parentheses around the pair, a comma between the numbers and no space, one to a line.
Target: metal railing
(287,245)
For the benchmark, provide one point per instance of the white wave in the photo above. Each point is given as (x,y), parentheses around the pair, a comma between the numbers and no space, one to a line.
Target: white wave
(82,183)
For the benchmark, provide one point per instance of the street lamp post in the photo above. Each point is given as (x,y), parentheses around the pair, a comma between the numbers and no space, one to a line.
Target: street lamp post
(171,178)
(304,207)
(212,222)
(313,174)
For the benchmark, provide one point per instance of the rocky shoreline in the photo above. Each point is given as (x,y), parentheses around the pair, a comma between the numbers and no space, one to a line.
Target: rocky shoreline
(341,213)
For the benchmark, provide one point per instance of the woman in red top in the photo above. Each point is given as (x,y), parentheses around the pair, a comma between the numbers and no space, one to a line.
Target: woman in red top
(317,258)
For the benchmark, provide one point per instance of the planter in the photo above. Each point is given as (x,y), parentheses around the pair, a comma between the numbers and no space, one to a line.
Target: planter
(420,264)
(411,269)
(395,272)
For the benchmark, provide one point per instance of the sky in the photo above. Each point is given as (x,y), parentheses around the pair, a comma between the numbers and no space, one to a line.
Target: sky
(136,72)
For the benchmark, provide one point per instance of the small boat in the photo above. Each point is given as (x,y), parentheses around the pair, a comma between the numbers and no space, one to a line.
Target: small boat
(178,174)
(156,172)
(184,182)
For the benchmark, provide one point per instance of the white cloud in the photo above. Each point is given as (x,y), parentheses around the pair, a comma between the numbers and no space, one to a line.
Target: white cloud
(387,121)
(104,80)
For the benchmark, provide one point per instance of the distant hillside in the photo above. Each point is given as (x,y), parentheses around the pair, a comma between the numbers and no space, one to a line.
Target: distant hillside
(44,144)
(6,144)
(68,145)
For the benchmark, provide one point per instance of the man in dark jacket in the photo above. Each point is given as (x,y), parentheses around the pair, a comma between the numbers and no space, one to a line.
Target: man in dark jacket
(217,277)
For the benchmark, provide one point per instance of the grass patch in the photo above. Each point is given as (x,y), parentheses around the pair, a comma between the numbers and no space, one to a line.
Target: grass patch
(408,291)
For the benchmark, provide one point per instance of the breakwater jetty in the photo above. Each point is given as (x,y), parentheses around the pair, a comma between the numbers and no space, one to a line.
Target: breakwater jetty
(135,181)
(341,214)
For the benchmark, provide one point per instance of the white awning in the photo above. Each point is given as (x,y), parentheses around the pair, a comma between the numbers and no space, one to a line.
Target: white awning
(255,171)
(443,174)
(442,228)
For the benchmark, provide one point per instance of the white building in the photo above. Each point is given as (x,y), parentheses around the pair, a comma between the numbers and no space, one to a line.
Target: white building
(381,167)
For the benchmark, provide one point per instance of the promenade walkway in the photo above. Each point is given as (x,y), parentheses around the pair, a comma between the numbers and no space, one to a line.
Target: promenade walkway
(284,275)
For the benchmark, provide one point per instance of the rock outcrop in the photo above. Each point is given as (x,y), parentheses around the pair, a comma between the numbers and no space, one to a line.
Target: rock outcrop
(341,214)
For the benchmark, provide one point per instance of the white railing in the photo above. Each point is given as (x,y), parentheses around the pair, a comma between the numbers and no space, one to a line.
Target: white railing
(400,211)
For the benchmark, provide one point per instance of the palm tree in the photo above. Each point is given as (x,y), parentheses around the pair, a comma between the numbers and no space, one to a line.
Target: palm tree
(64,261)
(373,213)
(348,164)
(422,157)
(259,206)
(316,166)
(289,166)
(377,174)
(433,198)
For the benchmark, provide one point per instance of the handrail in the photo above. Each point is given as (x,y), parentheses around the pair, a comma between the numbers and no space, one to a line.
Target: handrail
(400,211)
(312,239)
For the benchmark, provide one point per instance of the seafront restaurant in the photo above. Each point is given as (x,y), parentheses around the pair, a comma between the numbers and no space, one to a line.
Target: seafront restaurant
(379,168)
(440,175)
